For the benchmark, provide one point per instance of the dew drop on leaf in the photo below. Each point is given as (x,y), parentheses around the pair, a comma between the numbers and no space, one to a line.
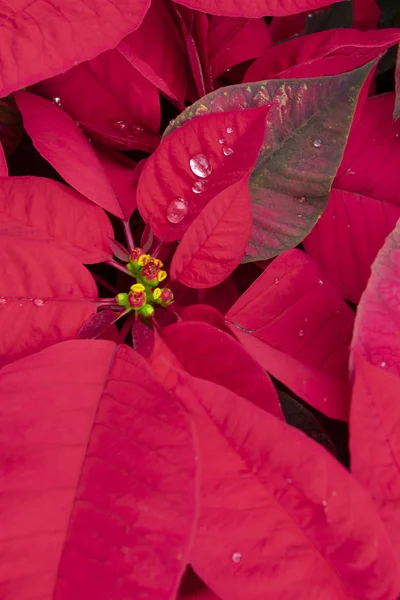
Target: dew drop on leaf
(321,282)
(177,210)
(300,216)
(200,165)
(301,199)
(120,125)
(324,503)
(229,130)
(383,364)
(198,187)
(227,151)
(136,130)
(57,102)
(39,302)
(236,557)
(276,281)
(3,301)
(301,333)
(317,143)
(221,141)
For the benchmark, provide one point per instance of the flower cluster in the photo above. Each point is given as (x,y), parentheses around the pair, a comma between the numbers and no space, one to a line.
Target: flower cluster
(148,273)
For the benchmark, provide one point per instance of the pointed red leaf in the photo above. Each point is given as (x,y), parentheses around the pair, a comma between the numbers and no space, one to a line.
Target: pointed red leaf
(163,62)
(215,242)
(214,355)
(97,324)
(292,308)
(377,322)
(56,136)
(205,314)
(114,103)
(45,297)
(227,144)
(282,508)
(307,129)
(59,35)
(324,53)
(370,162)
(82,517)
(347,238)
(374,440)
(255,8)
(42,210)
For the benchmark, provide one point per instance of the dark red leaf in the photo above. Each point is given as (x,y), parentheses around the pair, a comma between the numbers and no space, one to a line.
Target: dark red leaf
(275,509)
(378,319)
(324,53)
(11,128)
(97,324)
(56,136)
(396,113)
(195,163)
(59,35)
(255,8)
(307,129)
(366,14)
(42,210)
(3,163)
(297,312)
(98,477)
(45,297)
(374,440)
(211,354)
(113,102)
(163,61)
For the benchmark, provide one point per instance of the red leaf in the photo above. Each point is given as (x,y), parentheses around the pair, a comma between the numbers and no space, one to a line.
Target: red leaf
(97,324)
(59,35)
(232,41)
(293,309)
(45,297)
(396,112)
(123,175)
(324,53)
(282,509)
(3,163)
(205,314)
(115,104)
(211,354)
(307,129)
(215,242)
(168,174)
(55,135)
(347,238)
(370,162)
(374,441)
(163,61)
(255,8)
(42,210)
(366,14)
(11,128)
(81,516)
(377,322)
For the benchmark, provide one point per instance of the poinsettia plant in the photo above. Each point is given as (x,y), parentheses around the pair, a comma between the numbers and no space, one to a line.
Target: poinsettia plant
(199,300)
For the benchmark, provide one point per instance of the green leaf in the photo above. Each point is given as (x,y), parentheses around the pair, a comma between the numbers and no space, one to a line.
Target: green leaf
(306,133)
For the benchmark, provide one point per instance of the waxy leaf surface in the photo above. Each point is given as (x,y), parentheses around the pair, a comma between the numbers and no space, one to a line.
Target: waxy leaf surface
(214,355)
(306,132)
(44,297)
(42,210)
(81,516)
(255,8)
(283,510)
(58,139)
(375,440)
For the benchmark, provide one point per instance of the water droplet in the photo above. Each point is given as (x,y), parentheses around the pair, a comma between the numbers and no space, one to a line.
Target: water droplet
(57,102)
(317,143)
(198,187)
(236,557)
(324,503)
(229,69)
(120,125)
(79,126)
(300,216)
(39,302)
(301,199)
(136,130)
(229,130)
(301,333)
(200,165)
(221,141)
(3,301)
(306,319)
(383,364)
(289,480)
(227,151)
(397,134)
(321,282)
(177,210)
(325,399)
(350,172)
(276,281)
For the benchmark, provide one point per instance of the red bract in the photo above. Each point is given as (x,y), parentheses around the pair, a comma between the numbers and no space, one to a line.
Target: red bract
(80,522)
(274,507)
(254,8)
